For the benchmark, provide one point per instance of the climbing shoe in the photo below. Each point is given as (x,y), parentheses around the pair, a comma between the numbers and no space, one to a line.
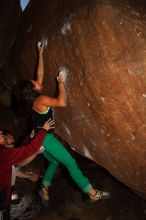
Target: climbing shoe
(100,195)
(44,194)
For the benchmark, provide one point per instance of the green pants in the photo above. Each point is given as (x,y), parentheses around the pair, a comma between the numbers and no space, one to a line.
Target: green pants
(56,153)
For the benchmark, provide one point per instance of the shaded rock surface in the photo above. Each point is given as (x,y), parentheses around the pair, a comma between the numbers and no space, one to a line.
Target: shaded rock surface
(10,16)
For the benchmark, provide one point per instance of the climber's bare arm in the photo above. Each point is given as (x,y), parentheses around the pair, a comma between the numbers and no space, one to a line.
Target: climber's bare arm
(40,68)
(44,101)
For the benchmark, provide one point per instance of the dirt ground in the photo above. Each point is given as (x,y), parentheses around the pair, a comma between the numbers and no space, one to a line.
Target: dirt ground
(67,202)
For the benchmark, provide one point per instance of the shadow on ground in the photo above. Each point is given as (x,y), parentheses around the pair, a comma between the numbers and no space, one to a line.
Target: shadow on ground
(67,202)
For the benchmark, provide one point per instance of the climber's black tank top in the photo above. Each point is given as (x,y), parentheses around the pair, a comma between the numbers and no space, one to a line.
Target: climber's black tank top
(39,118)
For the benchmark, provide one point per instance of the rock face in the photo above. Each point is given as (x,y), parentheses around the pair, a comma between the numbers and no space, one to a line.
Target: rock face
(103,45)
(10,14)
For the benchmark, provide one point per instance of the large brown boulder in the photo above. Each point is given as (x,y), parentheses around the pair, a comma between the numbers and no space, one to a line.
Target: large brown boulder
(103,44)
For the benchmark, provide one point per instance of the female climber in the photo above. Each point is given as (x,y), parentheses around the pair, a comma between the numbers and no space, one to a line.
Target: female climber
(28,93)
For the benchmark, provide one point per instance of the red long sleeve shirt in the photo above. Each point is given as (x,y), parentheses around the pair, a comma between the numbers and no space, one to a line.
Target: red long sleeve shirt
(13,156)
